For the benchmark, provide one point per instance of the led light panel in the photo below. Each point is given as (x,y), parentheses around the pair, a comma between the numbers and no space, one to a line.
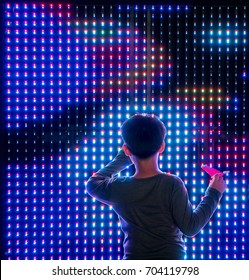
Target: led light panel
(73,74)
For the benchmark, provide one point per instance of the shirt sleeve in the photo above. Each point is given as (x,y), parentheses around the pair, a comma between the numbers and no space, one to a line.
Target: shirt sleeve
(99,185)
(190,221)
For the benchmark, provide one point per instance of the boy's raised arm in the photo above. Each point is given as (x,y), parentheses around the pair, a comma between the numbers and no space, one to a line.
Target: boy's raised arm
(189,220)
(98,183)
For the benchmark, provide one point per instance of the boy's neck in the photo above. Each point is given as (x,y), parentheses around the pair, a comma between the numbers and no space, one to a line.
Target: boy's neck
(147,167)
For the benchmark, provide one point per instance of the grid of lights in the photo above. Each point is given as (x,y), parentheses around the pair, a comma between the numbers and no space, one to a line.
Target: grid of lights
(74,73)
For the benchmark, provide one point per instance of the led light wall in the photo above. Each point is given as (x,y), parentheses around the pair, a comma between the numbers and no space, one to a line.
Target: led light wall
(73,74)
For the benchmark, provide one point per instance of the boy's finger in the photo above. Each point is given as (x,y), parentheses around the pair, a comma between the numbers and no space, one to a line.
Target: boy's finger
(217,176)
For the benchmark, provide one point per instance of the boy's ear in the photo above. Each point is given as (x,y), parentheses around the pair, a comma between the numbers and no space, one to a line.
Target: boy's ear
(126,150)
(162,148)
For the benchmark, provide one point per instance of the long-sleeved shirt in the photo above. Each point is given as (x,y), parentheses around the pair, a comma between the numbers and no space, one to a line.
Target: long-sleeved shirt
(154,212)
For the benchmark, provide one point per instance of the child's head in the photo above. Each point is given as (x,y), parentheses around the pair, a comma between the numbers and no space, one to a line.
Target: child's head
(143,134)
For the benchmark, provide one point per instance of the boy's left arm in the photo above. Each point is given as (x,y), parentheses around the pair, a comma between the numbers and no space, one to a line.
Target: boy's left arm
(98,184)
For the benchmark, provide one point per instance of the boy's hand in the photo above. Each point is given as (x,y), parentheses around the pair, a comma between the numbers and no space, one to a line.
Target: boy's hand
(218,183)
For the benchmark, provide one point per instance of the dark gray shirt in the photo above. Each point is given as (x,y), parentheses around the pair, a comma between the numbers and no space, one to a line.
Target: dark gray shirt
(154,212)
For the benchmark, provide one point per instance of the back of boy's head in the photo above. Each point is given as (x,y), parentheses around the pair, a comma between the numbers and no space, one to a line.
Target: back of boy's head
(143,134)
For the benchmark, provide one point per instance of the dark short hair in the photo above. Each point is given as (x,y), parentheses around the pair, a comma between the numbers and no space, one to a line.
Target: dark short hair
(143,134)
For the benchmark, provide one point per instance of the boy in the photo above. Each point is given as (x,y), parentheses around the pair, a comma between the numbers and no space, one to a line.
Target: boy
(153,206)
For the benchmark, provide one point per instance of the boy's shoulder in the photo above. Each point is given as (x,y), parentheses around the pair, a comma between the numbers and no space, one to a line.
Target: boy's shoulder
(167,177)
(174,177)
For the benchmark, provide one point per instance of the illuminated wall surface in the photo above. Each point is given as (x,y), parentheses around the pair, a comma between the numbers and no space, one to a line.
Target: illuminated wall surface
(73,74)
